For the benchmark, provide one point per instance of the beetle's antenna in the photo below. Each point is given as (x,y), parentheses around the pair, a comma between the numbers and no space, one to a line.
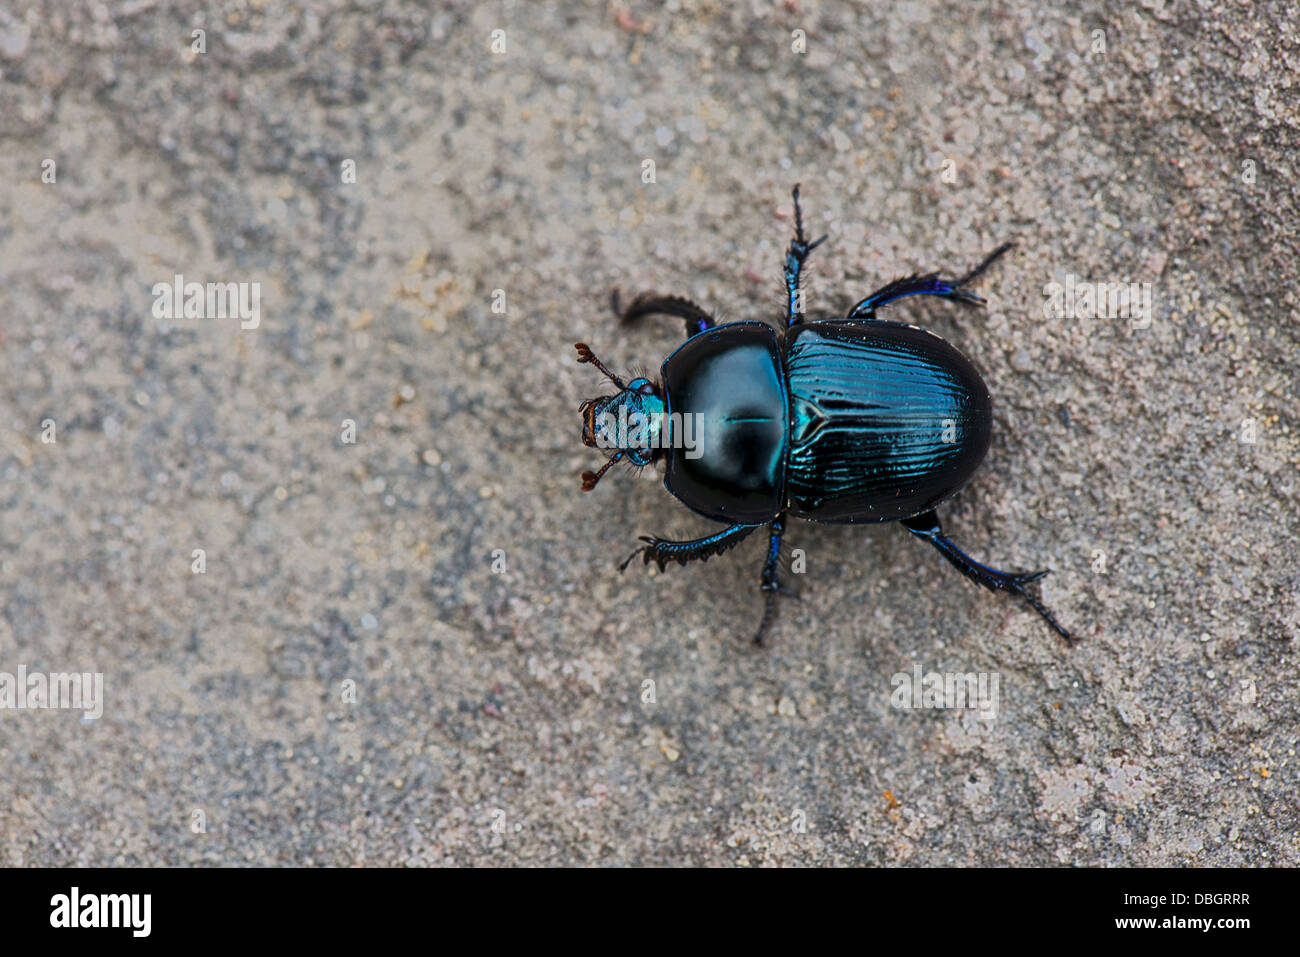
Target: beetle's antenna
(589,479)
(586,355)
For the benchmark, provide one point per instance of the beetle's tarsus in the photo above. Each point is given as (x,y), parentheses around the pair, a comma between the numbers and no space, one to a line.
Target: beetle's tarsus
(794,259)
(771,581)
(622,567)
(799,238)
(769,613)
(926,526)
(1019,582)
(1028,577)
(989,260)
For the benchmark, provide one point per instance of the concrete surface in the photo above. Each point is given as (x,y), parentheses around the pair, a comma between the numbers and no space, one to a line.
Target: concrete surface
(498,717)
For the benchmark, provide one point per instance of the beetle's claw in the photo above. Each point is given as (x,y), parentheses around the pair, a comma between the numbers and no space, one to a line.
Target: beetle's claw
(769,612)
(1026,577)
(647,552)
(1017,584)
(771,591)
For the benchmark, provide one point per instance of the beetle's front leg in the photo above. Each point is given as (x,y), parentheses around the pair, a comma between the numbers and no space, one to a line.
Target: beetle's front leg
(662,551)
(926,526)
(651,303)
(771,585)
(794,259)
(930,284)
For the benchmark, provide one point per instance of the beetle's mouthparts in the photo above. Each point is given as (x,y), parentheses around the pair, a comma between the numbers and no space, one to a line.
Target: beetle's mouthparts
(589,410)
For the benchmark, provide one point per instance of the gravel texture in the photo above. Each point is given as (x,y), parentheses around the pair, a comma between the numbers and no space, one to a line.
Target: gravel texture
(499,714)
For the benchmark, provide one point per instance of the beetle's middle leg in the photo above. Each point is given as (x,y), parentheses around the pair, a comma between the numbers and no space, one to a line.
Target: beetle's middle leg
(651,303)
(926,526)
(771,585)
(930,284)
(794,258)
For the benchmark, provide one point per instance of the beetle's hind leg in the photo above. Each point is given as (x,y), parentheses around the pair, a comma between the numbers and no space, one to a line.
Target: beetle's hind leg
(926,526)
(931,284)
(771,585)
(651,303)
(794,259)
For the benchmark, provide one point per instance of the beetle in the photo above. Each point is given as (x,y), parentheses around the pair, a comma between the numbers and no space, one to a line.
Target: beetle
(851,420)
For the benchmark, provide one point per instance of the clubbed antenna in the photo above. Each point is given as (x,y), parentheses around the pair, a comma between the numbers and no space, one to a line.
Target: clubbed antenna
(589,479)
(586,355)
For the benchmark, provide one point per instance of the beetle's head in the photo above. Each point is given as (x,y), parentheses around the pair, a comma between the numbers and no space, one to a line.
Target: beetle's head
(628,423)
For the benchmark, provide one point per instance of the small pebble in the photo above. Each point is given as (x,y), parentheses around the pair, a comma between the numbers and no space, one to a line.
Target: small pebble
(13,41)
(1022,361)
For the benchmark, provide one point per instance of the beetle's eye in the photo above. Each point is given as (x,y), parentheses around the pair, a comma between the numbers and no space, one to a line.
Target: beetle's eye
(643,386)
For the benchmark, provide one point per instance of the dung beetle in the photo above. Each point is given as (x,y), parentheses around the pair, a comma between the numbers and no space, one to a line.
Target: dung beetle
(845,421)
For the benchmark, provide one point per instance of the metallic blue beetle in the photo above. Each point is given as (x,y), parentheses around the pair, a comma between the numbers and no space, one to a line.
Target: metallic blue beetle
(843,421)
